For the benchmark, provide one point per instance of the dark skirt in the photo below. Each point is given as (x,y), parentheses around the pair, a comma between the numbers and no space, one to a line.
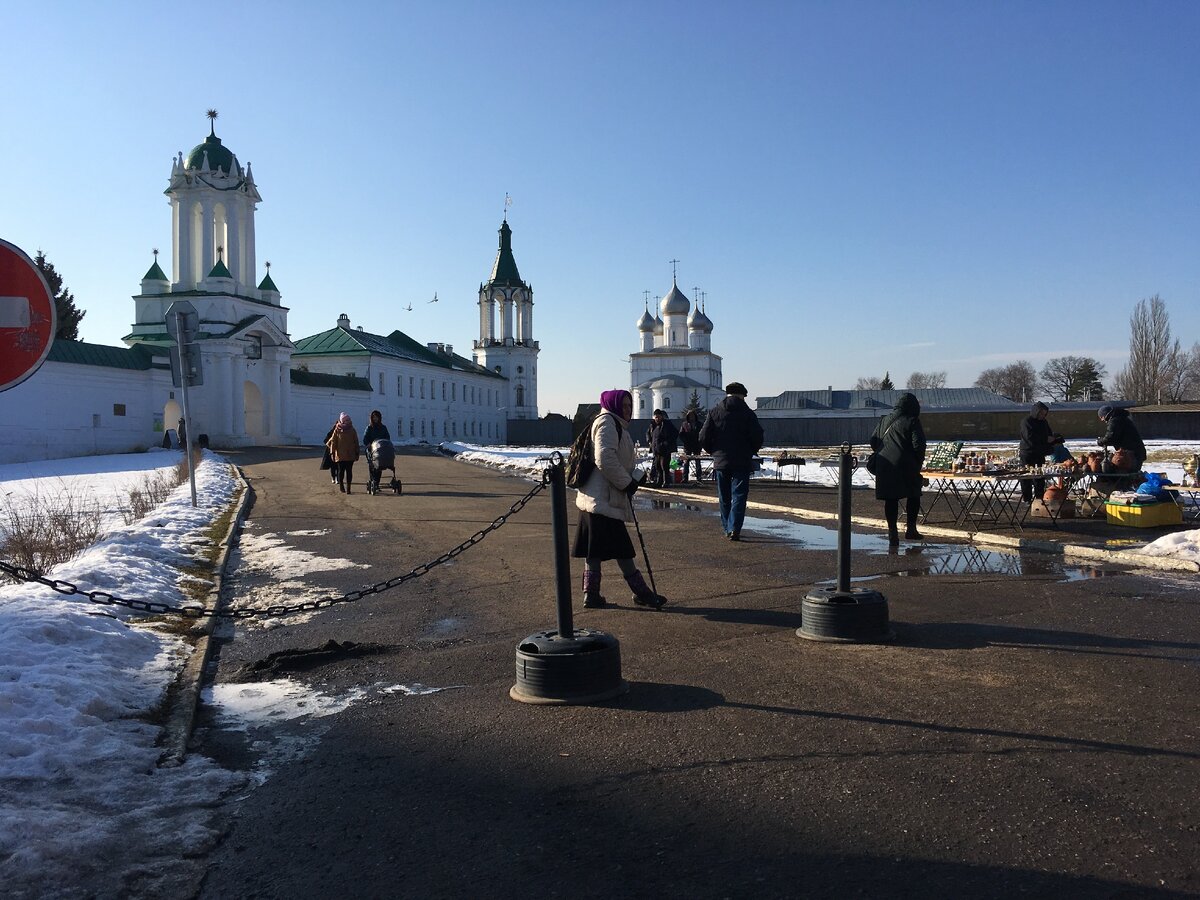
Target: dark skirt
(600,537)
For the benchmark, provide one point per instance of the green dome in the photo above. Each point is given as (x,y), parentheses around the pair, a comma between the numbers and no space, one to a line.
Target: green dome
(219,156)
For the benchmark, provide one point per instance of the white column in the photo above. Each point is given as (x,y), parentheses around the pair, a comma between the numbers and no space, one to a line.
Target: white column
(176,251)
(246,208)
(269,372)
(527,320)
(237,409)
(225,392)
(285,398)
(233,252)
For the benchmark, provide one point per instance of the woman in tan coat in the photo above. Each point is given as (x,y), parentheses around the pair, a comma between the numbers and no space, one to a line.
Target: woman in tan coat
(343,450)
(604,504)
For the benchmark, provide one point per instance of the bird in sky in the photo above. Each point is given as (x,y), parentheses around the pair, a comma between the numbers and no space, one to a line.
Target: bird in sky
(409,307)
(434,300)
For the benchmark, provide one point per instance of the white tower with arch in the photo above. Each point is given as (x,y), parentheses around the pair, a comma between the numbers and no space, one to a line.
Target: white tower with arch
(506,343)
(245,349)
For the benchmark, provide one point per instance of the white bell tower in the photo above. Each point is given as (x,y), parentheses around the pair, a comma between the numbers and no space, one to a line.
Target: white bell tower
(506,343)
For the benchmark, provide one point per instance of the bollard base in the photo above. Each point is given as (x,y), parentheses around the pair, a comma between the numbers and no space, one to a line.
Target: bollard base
(585,668)
(855,616)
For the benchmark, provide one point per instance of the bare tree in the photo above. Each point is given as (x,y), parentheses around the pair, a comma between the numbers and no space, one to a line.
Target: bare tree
(918,380)
(875,384)
(1016,381)
(1182,374)
(1072,378)
(1153,356)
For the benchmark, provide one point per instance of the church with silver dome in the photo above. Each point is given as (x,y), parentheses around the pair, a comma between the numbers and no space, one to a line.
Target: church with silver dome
(675,362)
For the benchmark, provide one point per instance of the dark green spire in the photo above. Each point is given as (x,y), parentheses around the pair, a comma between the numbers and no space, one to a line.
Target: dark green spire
(504,271)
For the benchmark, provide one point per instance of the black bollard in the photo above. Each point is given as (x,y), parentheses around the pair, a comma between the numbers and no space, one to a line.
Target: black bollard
(844,614)
(569,665)
(562,555)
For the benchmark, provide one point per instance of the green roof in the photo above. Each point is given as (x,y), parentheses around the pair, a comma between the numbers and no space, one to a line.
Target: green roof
(155,273)
(220,270)
(219,156)
(320,379)
(504,270)
(398,345)
(84,354)
(268,284)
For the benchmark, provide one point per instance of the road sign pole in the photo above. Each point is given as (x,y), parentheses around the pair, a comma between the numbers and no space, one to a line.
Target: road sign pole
(187,419)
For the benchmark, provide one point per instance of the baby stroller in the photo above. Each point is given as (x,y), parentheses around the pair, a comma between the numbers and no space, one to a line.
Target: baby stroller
(381,456)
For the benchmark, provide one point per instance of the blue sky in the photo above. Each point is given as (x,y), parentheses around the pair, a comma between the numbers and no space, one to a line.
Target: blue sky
(856,186)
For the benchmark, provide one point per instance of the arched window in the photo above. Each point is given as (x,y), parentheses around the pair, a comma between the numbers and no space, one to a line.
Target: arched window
(666,402)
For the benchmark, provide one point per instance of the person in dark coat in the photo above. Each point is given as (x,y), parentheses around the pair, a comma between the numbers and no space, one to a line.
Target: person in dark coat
(899,445)
(689,435)
(732,434)
(376,431)
(1122,434)
(1036,440)
(664,441)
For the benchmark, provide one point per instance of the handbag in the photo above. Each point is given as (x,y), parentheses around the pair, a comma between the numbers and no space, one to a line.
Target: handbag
(873,459)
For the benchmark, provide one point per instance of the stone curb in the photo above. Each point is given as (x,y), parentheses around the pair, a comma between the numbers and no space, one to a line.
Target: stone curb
(185,697)
(1008,542)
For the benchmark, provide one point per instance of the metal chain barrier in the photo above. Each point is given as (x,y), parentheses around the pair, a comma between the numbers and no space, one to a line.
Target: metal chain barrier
(197,611)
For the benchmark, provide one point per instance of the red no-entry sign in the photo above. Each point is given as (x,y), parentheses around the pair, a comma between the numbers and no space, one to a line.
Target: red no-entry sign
(27,317)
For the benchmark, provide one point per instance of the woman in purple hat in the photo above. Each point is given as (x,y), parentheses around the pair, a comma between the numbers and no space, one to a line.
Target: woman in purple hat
(604,504)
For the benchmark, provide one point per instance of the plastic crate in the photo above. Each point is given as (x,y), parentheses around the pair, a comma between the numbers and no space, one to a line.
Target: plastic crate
(1143,515)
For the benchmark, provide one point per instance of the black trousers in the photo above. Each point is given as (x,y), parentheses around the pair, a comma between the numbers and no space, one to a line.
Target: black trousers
(660,471)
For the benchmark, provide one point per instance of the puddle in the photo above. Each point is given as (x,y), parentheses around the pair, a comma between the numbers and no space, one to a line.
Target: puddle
(927,558)
(676,504)
(808,536)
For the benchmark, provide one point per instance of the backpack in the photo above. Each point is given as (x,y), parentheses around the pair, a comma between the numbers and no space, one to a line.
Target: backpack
(581,460)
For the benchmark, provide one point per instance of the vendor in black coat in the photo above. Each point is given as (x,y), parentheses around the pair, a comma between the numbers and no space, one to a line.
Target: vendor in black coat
(664,441)
(1036,439)
(689,434)
(1122,434)
(899,445)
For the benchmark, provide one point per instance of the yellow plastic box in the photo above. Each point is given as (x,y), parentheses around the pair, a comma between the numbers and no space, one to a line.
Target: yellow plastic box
(1144,515)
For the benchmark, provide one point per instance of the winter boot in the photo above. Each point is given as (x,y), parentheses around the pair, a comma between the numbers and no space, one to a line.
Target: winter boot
(912,534)
(591,590)
(893,535)
(642,595)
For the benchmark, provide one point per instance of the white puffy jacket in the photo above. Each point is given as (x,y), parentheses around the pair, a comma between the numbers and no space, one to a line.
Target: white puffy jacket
(604,491)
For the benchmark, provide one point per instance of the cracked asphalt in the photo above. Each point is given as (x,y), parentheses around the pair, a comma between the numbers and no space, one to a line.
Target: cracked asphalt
(1031,731)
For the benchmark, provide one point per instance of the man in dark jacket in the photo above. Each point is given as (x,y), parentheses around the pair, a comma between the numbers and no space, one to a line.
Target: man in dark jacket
(664,441)
(1036,438)
(732,434)
(1122,434)
(689,434)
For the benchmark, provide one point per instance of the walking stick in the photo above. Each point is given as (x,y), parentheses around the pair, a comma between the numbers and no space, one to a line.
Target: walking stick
(642,541)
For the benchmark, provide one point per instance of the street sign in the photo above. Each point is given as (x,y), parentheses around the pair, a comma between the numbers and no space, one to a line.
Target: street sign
(182,321)
(186,361)
(27,317)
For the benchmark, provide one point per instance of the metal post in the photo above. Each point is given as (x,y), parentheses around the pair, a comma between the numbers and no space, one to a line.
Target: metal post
(845,474)
(185,377)
(562,555)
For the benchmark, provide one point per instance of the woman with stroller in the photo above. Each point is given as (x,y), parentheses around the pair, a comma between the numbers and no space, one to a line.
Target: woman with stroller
(604,504)
(343,450)
(376,431)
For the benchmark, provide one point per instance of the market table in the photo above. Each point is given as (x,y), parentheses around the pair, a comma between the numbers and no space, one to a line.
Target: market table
(1104,484)
(977,499)
(1187,498)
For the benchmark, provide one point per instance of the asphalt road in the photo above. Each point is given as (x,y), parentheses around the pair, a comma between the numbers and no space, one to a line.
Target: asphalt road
(1031,731)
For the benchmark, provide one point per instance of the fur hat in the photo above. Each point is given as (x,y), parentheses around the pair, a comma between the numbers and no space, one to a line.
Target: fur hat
(736,387)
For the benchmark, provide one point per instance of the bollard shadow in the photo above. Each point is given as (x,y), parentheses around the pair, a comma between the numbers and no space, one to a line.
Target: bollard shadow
(977,635)
(773,618)
(649,696)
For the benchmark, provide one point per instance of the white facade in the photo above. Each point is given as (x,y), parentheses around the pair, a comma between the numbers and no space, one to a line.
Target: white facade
(675,359)
(506,345)
(88,398)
